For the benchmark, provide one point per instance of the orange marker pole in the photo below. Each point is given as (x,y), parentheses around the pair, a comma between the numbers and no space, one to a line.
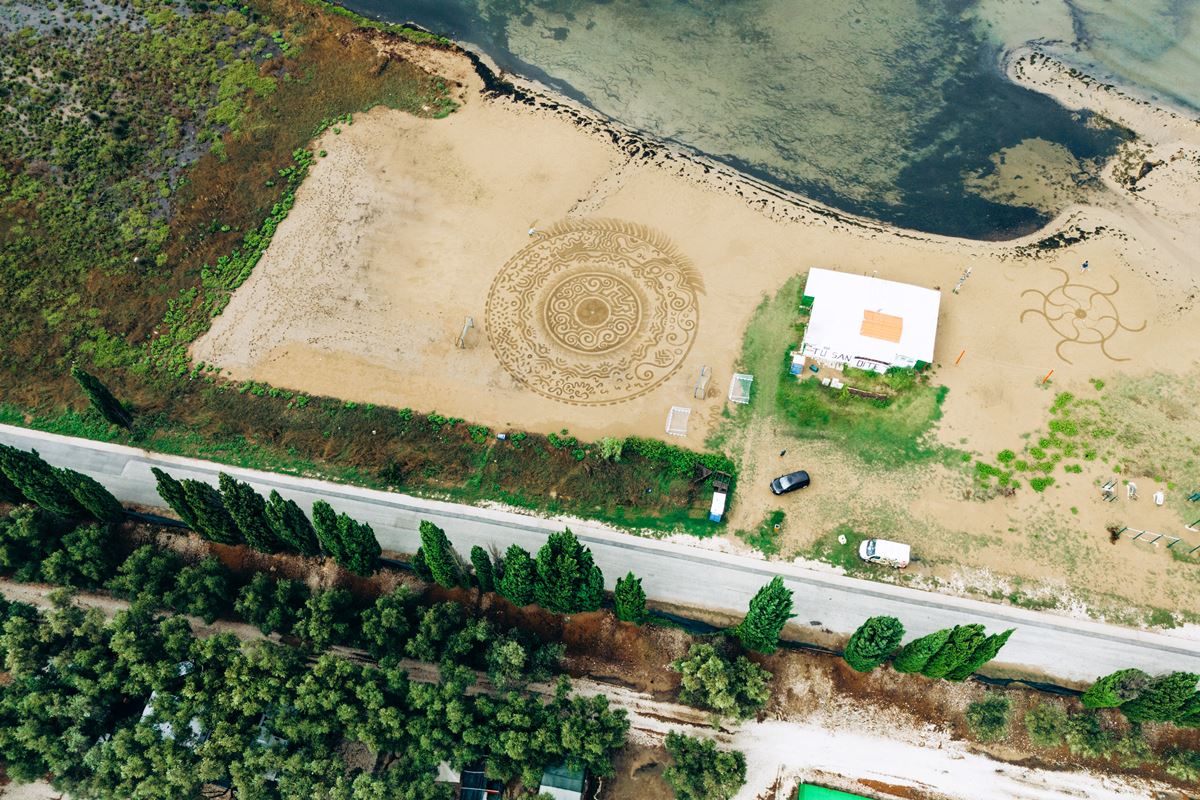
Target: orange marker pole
(960,355)
(1048,374)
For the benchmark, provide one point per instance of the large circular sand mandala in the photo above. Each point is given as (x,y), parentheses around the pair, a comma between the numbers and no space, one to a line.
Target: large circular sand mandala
(594,311)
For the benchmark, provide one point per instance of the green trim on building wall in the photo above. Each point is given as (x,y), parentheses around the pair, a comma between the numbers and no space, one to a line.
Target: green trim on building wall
(810,792)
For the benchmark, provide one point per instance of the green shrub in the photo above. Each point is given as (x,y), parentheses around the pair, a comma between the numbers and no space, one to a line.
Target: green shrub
(1047,725)
(1183,765)
(988,719)
(701,771)
(1086,737)
(610,448)
(737,688)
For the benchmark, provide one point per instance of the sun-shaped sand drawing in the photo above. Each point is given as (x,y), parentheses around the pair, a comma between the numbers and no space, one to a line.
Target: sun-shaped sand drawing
(1081,314)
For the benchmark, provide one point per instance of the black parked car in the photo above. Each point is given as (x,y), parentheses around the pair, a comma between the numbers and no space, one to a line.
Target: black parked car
(790,482)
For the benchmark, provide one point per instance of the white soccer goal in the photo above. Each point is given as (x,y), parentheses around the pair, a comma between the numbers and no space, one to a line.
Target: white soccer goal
(677,420)
(739,388)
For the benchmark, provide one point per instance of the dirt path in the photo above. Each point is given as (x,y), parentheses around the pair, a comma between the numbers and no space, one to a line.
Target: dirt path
(781,753)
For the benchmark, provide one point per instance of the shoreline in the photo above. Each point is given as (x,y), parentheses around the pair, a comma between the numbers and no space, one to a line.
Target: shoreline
(1073,88)
(1068,86)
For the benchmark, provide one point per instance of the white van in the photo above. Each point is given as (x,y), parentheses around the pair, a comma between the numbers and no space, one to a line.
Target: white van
(881,551)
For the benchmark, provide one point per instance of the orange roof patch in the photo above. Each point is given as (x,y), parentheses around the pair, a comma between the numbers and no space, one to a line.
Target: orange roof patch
(882,326)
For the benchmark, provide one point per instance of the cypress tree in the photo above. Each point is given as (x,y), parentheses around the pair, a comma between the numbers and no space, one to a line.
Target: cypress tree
(325,524)
(1115,688)
(1163,699)
(359,545)
(770,609)
(916,654)
(1189,712)
(958,648)
(630,599)
(291,525)
(440,557)
(171,491)
(92,496)
(102,399)
(984,653)
(873,642)
(9,493)
(485,573)
(212,519)
(249,512)
(568,581)
(420,567)
(38,481)
(520,574)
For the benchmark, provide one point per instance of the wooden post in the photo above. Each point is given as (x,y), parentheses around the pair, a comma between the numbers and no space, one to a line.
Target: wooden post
(960,355)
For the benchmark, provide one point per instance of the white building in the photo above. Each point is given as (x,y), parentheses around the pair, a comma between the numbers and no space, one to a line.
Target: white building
(867,323)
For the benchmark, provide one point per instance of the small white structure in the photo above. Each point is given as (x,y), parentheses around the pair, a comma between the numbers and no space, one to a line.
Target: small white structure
(196,735)
(739,388)
(677,420)
(701,387)
(716,510)
(447,773)
(867,323)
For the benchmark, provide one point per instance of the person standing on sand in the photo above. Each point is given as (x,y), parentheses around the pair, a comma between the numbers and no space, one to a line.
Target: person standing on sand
(1083,267)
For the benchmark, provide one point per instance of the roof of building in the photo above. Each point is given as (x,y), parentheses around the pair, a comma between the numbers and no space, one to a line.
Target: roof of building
(476,785)
(871,318)
(562,783)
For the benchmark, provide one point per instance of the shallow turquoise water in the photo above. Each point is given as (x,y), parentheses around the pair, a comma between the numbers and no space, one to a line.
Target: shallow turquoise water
(895,109)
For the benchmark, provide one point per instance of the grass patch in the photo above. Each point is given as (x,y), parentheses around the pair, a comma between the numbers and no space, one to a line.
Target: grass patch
(888,434)
(765,538)
(830,550)
(774,318)
(1141,426)
(652,486)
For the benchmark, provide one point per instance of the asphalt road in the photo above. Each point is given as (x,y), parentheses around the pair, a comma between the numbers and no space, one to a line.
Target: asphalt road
(1064,647)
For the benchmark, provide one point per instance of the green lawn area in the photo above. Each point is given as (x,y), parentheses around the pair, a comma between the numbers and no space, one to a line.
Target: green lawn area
(887,433)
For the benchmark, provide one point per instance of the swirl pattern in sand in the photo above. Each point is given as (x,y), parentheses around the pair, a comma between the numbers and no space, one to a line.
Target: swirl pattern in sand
(594,311)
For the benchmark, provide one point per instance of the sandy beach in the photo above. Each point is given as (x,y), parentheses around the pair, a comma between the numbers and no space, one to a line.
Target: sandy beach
(407,227)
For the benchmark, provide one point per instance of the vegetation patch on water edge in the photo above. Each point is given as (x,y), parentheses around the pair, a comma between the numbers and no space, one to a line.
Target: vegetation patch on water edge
(407,32)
